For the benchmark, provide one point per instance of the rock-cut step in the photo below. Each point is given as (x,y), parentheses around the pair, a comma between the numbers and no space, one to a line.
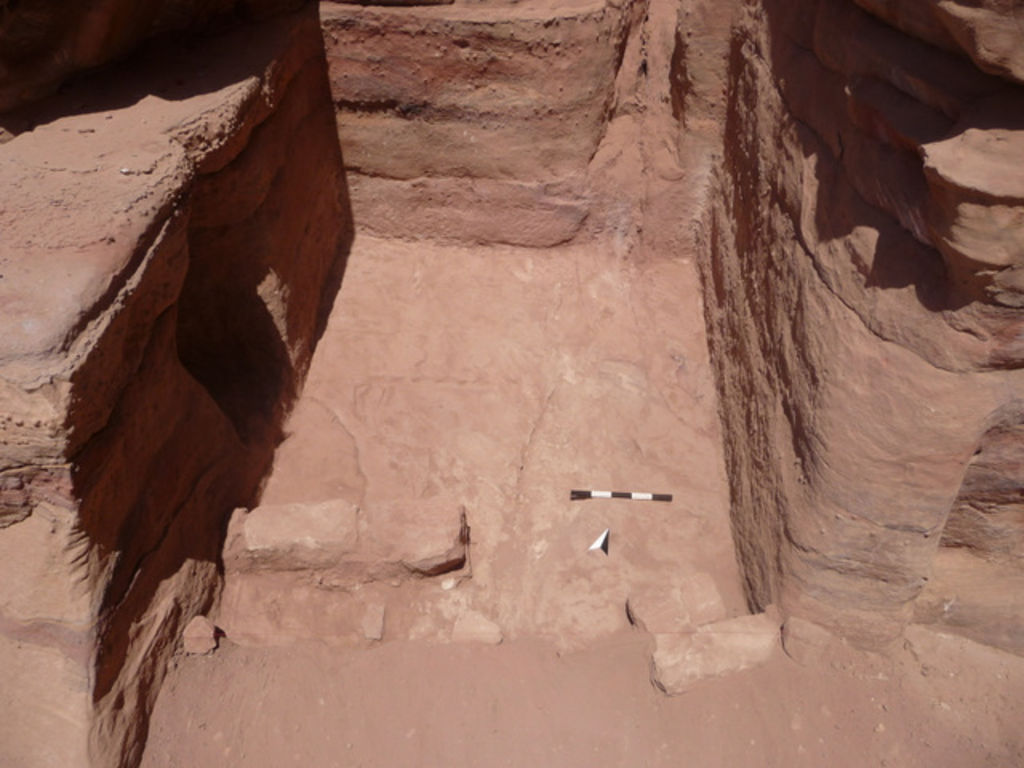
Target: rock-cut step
(320,570)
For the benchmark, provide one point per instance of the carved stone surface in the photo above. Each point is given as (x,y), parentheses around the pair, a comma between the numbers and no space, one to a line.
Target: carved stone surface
(172,236)
(861,279)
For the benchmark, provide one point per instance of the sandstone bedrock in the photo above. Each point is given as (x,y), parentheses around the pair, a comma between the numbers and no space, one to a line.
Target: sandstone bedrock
(475,123)
(170,250)
(173,229)
(42,44)
(861,270)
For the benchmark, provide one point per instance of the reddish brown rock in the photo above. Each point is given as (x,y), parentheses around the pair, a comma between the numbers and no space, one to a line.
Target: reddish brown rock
(861,254)
(492,100)
(298,570)
(199,637)
(41,44)
(678,604)
(988,515)
(424,537)
(989,31)
(372,622)
(291,536)
(682,660)
(977,597)
(808,643)
(976,205)
(479,210)
(487,138)
(860,349)
(473,627)
(167,260)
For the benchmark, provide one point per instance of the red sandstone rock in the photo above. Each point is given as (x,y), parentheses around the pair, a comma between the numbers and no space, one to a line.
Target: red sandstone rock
(292,536)
(452,210)
(301,570)
(681,660)
(522,98)
(372,623)
(677,604)
(445,370)
(853,348)
(199,637)
(976,211)
(423,537)
(989,31)
(860,230)
(486,139)
(988,515)
(474,627)
(977,597)
(43,44)
(808,643)
(166,259)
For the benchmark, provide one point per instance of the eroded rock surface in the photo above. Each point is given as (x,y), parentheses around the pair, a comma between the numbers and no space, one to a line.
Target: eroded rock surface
(199,637)
(479,121)
(679,603)
(167,260)
(283,561)
(41,44)
(507,377)
(680,660)
(850,171)
(496,375)
(861,268)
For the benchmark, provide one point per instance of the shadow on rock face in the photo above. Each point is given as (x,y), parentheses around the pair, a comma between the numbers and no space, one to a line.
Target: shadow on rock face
(200,343)
(45,42)
(847,318)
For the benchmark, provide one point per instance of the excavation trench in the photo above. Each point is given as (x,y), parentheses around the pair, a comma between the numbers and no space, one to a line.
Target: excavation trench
(474,372)
(536,206)
(739,253)
(491,348)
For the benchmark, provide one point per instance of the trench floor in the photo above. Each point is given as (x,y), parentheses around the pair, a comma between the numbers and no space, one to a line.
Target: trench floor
(498,379)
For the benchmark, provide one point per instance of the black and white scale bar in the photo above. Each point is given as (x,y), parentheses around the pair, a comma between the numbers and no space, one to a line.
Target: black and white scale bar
(579,495)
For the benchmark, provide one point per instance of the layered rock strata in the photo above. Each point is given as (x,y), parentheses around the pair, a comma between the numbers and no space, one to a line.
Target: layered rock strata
(173,233)
(474,122)
(862,252)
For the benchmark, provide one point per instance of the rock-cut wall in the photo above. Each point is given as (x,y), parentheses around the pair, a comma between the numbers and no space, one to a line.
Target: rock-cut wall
(173,232)
(862,264)
(173,229)
(475,122)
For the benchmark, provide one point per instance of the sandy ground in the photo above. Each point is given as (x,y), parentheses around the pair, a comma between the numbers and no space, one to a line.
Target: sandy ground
(942,702)
(498,379)
(501,378)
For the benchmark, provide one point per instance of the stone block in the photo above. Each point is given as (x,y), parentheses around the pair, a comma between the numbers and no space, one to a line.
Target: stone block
(199,637)
(425,536)
(676,604)
(474,627)
(372,622)
(681,660)
(292,536)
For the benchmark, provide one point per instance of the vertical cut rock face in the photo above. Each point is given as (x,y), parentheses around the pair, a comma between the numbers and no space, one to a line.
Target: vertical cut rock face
(173,234)
(474,122)
(862,257)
